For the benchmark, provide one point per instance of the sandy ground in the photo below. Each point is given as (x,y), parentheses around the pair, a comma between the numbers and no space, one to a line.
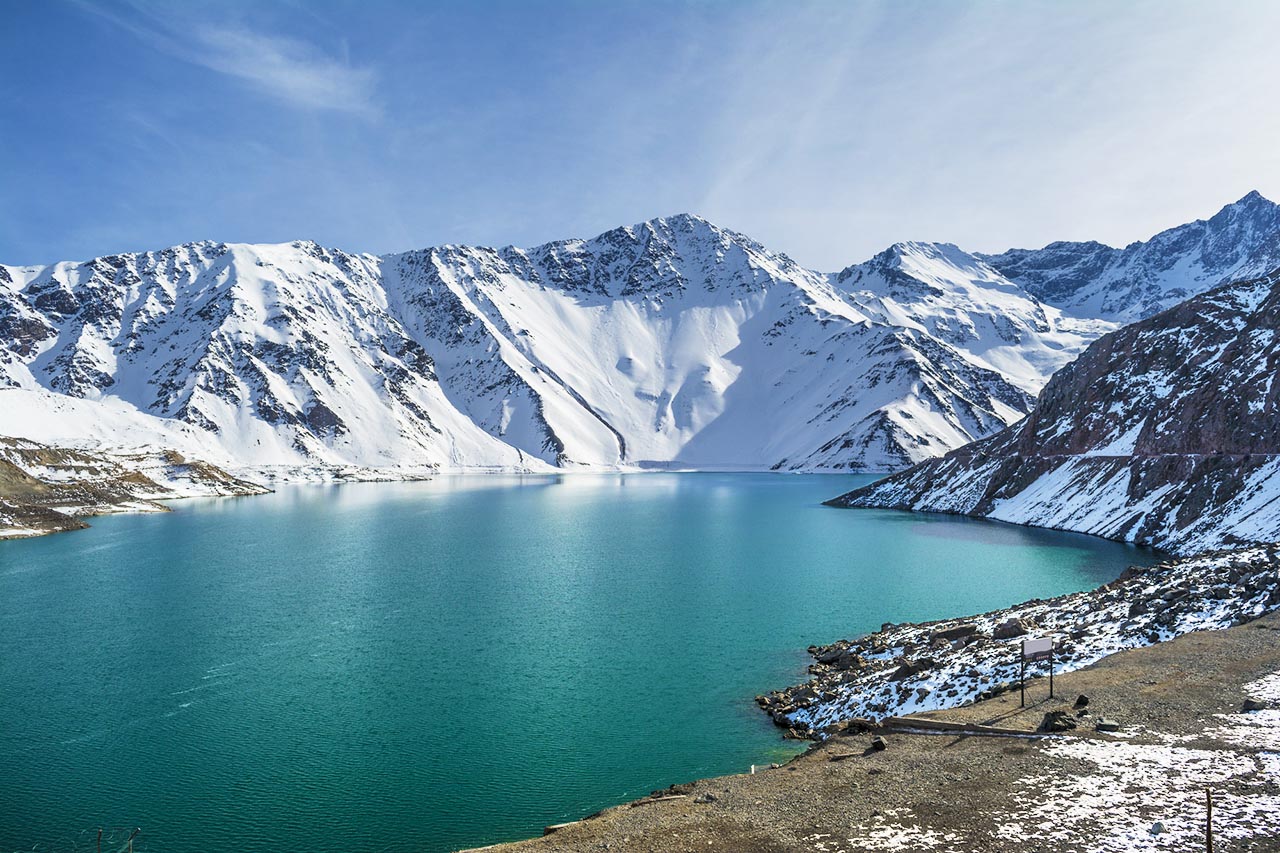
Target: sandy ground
(1183,732)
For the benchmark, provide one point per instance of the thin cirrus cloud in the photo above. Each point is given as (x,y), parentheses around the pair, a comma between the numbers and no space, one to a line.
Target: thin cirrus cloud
(288,69)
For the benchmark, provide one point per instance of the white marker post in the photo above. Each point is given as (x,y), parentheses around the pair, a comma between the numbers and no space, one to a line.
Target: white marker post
(1036,649)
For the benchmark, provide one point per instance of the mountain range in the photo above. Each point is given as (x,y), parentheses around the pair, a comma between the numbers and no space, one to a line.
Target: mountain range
(672,343)
(1165,433)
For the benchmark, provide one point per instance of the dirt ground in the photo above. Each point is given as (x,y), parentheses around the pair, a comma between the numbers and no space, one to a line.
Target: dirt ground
(1182,732)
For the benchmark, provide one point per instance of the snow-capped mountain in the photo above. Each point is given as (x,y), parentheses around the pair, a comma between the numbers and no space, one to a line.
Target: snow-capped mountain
(677,342)
(272,353)
(1093,280)
(1166,432)
(669,343)
(952,296)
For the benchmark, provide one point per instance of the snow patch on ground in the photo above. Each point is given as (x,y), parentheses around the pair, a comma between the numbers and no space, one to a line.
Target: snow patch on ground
(1112,806)
(906,669)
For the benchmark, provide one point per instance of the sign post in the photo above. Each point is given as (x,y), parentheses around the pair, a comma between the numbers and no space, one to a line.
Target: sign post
(1035,649)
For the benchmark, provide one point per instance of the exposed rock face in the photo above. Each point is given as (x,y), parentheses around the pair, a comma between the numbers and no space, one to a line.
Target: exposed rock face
(1166,433)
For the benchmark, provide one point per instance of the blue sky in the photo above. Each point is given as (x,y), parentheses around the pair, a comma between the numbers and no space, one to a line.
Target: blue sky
(825,130)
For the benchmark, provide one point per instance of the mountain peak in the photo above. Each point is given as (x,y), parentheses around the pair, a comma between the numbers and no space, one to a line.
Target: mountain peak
(911,255)
(683,220)
(1253,202)
(928,249)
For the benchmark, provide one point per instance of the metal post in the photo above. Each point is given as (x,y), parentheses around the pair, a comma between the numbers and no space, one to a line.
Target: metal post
(1022,679)
(1208,820)
(99,839)
(1051,672)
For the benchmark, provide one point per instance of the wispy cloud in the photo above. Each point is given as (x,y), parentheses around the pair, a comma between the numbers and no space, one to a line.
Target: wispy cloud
(289,69)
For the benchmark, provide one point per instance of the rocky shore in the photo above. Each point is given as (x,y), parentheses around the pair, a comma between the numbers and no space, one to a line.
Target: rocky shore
(1197,717)
(46,489)
(904,669)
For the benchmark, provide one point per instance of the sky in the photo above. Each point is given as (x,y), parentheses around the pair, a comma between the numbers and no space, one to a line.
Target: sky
(825,130)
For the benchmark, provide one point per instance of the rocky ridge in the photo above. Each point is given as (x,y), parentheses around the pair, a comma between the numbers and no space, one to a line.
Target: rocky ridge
(1166,432)
(1091,279)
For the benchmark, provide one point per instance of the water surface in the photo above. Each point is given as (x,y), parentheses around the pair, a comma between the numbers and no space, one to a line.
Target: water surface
(435,665)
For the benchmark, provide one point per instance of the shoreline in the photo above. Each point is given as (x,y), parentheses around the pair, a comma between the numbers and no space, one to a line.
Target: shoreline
(113,497)
(908,668)
(46,489)
(1179,704)
(861,688)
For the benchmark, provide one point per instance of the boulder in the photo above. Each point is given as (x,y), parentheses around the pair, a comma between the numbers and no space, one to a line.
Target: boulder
(1082,701)
(1105,725)
(954,633)
(1057,721)
(879,744)
(1010,628)
(858,725)
(1254,705)
(849,660)
(830,654)
(910,668)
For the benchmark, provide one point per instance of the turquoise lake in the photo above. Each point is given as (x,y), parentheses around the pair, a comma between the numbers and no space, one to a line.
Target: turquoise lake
(436,665)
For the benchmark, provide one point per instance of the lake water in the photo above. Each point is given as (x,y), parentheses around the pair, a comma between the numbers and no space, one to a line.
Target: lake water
(435,665)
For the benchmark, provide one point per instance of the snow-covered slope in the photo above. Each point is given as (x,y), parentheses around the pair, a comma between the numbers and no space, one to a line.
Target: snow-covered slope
(675,342)
(1165,432)
(277,354)
(939,290)
(1092,280)
(668,343)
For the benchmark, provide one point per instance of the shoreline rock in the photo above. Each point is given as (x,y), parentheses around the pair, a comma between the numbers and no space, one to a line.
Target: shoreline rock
(905,669)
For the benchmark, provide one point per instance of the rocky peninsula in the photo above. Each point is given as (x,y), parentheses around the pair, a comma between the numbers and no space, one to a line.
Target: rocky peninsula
(986,776)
